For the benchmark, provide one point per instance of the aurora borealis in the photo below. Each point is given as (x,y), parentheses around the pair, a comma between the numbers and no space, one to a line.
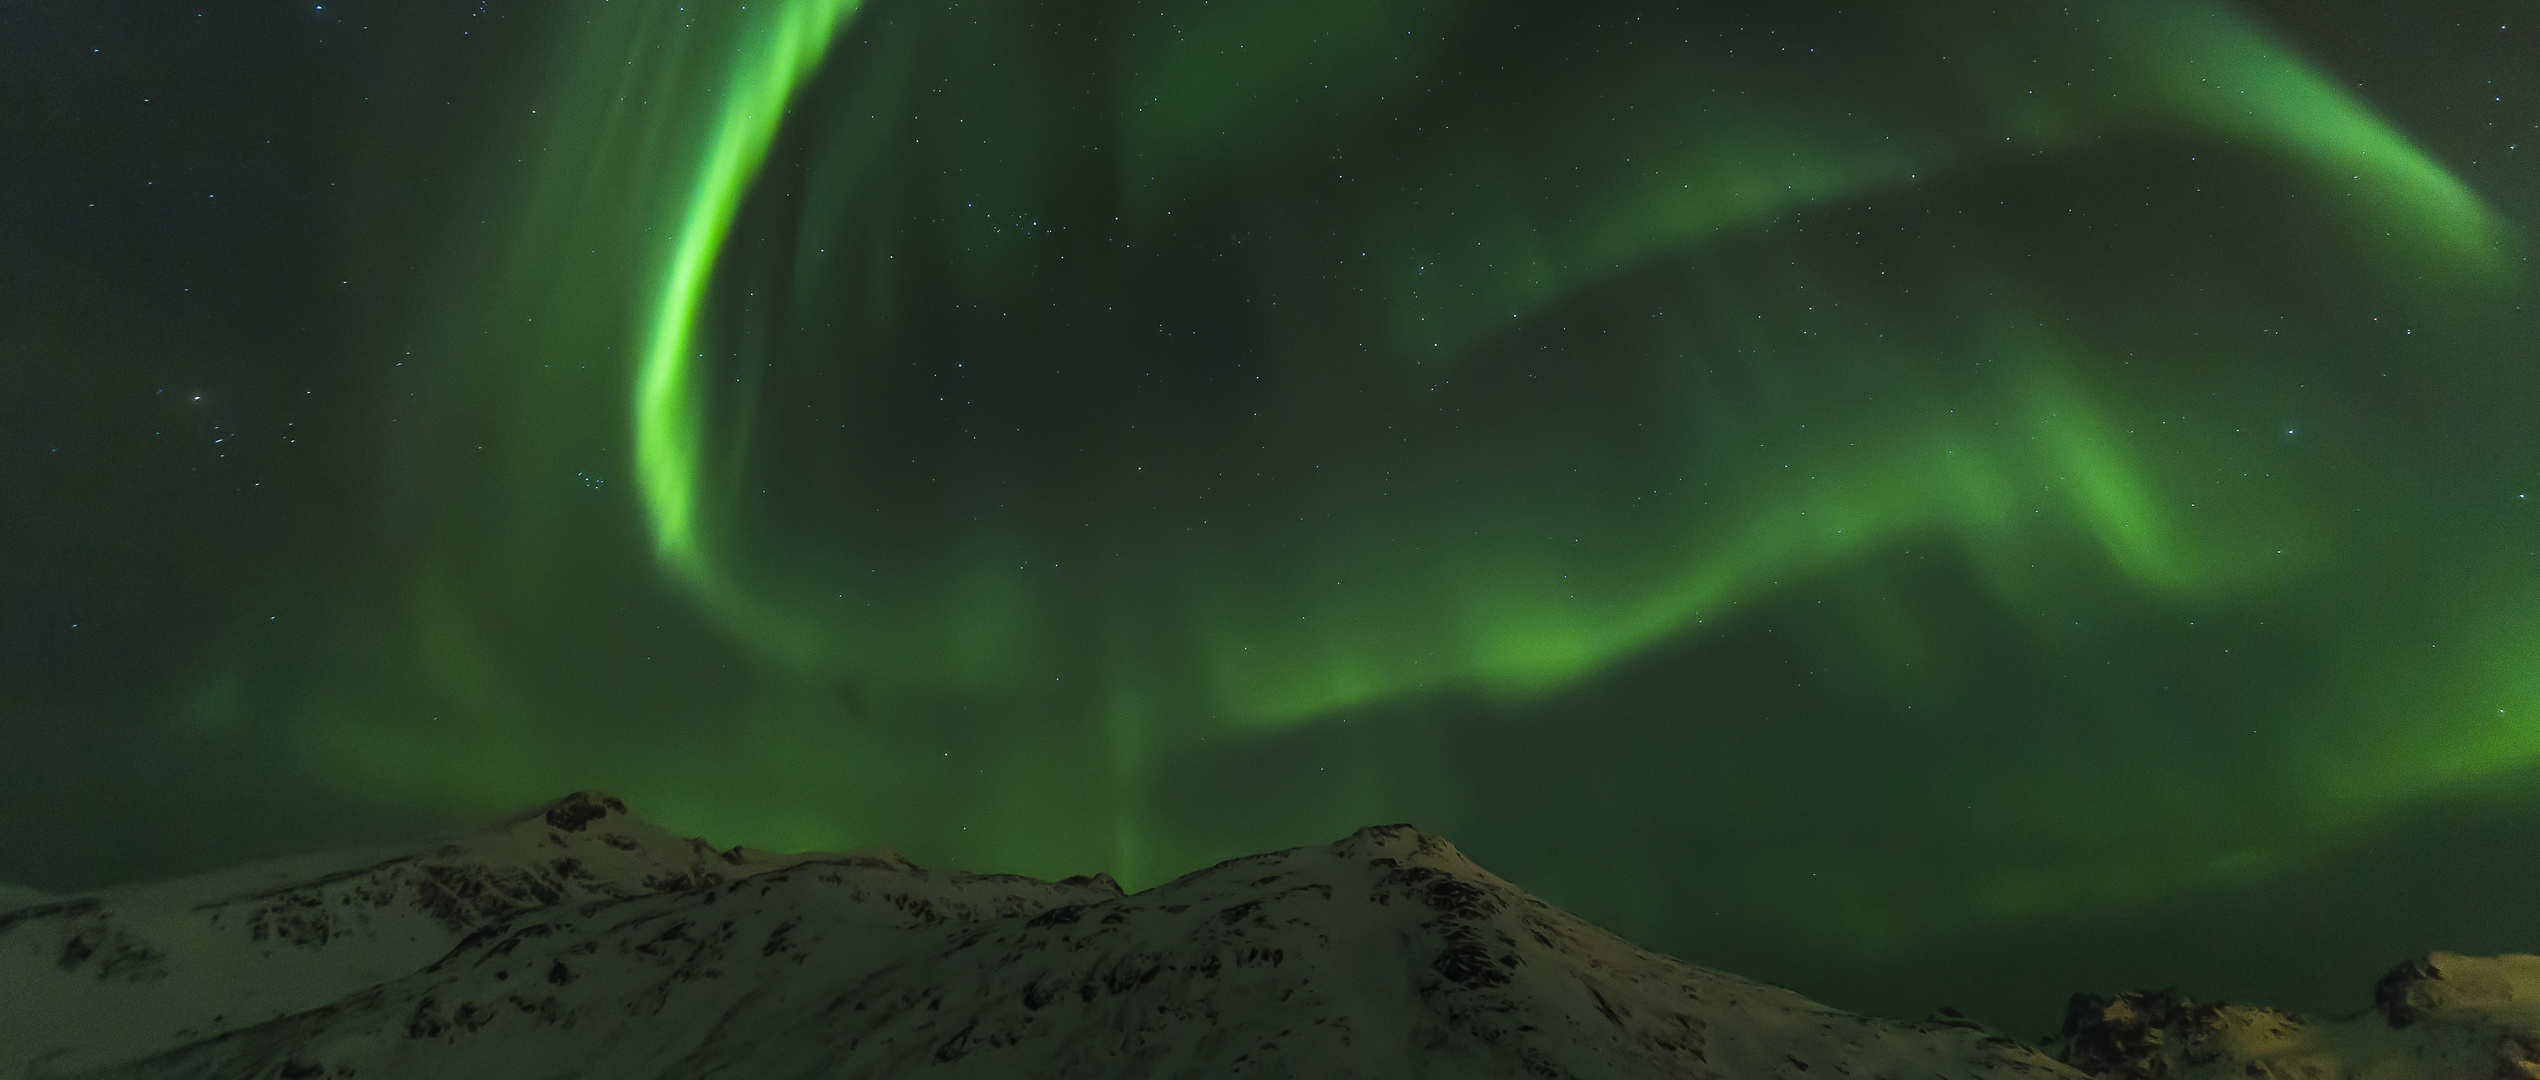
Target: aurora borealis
(1907,501)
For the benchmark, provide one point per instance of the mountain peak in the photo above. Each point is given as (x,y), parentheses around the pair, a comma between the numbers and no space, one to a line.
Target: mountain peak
(577,811)
(573,939)
(1402,842)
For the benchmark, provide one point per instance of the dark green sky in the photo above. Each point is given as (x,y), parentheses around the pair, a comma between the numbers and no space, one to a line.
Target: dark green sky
(1922,503)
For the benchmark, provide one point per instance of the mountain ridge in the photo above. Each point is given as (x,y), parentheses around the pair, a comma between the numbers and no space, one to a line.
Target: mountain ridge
(572,939)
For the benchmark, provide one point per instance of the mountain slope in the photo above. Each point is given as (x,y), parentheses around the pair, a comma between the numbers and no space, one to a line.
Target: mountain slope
(1387,954)
(113,976)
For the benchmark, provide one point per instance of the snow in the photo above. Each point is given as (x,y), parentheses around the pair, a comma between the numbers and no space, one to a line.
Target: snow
(575,941)
(113,976)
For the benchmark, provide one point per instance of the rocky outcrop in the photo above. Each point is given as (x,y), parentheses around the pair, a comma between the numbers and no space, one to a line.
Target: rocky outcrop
(2442,1017)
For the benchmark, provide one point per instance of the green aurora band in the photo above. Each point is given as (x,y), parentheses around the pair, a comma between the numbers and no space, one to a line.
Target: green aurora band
(2214,73)
(1999,465)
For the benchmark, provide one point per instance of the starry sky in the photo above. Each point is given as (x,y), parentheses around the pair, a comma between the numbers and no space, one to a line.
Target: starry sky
(1937,503)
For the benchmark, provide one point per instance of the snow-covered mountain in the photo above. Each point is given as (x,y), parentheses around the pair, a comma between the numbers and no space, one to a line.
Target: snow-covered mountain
(111,977)
(575,941)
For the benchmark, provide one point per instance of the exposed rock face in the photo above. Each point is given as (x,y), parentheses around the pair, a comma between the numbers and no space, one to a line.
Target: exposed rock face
(2444,1017)
(1387,954)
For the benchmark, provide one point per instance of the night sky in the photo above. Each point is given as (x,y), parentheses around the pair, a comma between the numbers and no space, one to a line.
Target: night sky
(1937,503)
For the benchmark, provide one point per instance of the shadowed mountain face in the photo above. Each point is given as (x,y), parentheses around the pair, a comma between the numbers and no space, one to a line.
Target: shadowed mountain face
(575,941)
